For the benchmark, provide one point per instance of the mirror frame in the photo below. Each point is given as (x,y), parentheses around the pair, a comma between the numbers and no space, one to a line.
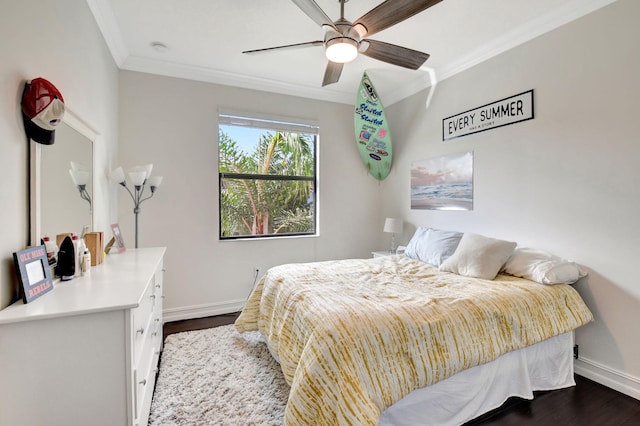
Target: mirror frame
(74,121)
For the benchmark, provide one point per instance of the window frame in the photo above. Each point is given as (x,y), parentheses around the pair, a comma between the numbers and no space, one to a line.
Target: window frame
(275,124)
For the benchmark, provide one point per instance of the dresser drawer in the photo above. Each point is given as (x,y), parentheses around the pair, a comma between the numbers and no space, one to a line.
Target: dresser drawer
(147,344)
(142,319)
(144,382)
(146,355)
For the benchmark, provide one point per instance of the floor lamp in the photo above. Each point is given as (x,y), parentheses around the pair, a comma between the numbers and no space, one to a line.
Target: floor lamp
(140,177)
(80,177)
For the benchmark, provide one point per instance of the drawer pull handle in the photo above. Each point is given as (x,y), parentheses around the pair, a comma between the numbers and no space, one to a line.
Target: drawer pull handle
(158,286)
(153,296)
(141,330)
(155,333)
(143,382)
(157,319)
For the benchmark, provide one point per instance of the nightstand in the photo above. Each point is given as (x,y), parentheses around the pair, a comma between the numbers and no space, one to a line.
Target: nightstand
(382,253)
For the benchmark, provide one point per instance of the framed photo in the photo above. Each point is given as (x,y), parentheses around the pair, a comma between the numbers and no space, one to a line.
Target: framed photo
(33,272)
(117,240)
(443,183)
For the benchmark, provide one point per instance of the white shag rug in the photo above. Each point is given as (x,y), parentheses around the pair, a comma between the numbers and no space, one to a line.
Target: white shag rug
(218,377)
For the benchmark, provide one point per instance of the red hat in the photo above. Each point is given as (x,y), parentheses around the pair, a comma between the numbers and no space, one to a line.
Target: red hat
(42,110)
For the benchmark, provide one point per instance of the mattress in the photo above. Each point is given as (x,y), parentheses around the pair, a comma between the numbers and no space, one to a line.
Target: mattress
(354,337)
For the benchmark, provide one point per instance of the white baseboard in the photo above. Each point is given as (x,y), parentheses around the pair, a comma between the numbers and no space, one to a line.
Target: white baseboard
(199,311)
(622,382)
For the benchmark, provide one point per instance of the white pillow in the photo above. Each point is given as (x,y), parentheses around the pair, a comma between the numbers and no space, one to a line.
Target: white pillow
(479,256)
(415,241)
(543,267)
(432,246)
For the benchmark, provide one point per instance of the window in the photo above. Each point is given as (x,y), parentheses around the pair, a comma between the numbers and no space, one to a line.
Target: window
(267,177)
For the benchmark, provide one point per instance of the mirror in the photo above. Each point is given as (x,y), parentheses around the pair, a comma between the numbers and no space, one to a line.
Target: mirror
(56,202)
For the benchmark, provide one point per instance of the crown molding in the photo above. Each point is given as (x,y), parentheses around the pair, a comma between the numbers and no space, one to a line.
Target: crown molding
(106,20)
(566,13)
(108,25)
(208,75)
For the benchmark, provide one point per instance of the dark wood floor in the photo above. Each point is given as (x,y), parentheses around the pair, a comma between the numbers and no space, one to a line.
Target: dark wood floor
(586,404)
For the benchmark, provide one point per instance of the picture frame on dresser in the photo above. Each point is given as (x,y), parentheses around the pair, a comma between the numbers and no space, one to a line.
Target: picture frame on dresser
(117,241)
(34,274)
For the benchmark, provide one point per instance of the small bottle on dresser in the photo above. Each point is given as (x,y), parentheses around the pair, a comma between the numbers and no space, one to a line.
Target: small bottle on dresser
(78,249)
(86,262)
(51,248)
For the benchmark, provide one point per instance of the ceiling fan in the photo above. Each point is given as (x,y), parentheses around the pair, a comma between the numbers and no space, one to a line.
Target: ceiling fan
(343,39)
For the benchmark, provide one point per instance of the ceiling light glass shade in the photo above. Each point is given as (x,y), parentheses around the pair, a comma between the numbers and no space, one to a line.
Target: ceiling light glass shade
(79,177)
(154,182)
(341,50)
(117,175)
(137,178)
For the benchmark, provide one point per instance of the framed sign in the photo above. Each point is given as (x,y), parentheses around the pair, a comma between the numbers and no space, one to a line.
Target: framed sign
(513,109)
(34,273)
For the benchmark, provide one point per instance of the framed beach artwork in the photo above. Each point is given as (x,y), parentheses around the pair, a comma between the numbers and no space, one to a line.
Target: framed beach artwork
(443,183)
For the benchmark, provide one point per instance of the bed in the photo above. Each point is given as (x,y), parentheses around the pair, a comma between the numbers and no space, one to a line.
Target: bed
(391,340)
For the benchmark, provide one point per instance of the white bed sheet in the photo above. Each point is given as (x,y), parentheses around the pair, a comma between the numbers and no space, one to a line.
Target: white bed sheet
(547,365)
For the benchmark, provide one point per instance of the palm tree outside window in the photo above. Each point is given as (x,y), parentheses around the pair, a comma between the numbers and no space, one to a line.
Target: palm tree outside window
(267,177)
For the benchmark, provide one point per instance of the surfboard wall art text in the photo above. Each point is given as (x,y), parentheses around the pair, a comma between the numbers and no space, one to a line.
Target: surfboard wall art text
(372,130)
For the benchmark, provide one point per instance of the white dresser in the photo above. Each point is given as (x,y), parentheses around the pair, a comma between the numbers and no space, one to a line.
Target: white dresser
(85,353)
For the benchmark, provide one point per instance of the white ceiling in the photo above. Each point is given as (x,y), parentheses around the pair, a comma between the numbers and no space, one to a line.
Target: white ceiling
(205,38)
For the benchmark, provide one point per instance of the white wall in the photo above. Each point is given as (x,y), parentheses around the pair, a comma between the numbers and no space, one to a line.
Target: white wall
(60,41)
(567,181)
(172,123)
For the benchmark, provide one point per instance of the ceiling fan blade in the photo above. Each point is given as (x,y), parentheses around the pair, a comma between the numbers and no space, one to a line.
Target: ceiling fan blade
(332,73)
(390,13)
(313,11)
(287,46)
(396,55)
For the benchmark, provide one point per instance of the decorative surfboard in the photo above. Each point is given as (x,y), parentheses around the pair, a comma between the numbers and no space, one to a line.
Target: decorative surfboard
(372,130)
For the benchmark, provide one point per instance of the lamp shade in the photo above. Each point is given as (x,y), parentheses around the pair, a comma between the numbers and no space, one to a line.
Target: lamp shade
(79,177)
(117,175)
(393,225)
(137,178)
(79,167)
(147,170)
(154,182)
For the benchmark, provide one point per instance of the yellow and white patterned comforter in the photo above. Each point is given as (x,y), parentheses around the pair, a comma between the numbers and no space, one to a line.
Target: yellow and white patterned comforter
(355,336)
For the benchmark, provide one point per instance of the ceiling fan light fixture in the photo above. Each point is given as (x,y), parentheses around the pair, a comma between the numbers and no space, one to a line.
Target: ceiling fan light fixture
(341,50)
